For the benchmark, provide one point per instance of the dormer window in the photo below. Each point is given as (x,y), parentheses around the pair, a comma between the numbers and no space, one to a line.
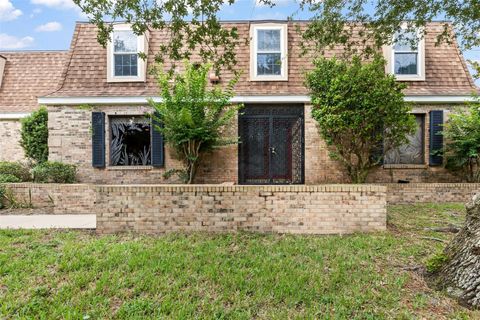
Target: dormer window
(125,54)
(268,52)
(124,61)
(406,56)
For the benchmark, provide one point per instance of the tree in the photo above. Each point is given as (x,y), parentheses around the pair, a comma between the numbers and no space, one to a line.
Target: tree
(377,21)
(462,135)
(192,26)
(459,270)
(34,135)
(192,115)
(360,110)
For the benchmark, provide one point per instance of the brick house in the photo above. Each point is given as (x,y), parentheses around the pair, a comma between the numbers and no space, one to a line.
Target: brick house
(111,142)
(24,76)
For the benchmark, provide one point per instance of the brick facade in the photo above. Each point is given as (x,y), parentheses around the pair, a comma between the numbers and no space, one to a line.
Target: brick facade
(70,142)
(10,149)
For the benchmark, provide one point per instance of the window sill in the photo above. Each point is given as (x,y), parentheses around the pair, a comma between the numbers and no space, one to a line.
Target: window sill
(405,166)
(267,79)
(129,167)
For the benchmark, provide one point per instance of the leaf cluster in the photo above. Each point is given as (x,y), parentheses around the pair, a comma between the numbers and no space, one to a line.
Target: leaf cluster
(462,149)
(364,26)
(191,26)
(34,135)
(359,109)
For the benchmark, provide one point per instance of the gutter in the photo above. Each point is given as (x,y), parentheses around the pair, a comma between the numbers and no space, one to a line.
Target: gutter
(141,100)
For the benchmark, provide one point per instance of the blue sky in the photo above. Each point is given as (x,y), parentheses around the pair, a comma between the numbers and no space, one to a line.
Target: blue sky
(48,24)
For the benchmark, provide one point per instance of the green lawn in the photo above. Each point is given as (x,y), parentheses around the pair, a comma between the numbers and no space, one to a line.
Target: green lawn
(78,275)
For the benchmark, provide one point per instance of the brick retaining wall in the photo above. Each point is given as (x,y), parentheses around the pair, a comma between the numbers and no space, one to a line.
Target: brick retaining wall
(322,209)
(64,198)
(431,192)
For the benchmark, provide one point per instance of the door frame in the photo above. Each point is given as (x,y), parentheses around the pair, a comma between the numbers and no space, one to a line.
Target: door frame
(300,112)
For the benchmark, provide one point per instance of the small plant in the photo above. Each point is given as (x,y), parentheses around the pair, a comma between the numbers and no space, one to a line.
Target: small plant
(16,169)
(436,262)
(462,149)
(54,172)
(34,135)
(9,178)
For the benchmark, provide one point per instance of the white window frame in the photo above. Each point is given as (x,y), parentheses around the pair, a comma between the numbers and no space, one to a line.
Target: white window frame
(389,53)
(283,76)
(142,47)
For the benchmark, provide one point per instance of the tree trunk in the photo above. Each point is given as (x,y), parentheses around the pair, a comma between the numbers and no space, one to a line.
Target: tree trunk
(460,274)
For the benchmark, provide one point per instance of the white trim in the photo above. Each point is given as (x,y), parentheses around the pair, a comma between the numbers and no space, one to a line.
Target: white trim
(142,46)
(132,100)
(13,116)
(389,54)
(283,27)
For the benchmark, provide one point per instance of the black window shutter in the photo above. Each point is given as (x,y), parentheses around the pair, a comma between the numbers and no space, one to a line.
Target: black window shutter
(98,139)
(158,157)
(436,138)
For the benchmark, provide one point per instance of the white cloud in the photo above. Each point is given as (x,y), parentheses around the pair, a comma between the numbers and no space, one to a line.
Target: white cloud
(60,4)
(12,42)
(49,27)
(8,12)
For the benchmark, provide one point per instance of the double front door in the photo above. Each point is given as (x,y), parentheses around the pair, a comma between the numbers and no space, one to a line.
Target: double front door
(271,149)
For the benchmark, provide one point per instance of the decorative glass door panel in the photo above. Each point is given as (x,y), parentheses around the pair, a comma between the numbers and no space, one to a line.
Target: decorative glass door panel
(271,149)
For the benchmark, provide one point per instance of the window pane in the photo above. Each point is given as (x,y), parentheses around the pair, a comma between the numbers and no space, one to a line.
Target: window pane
(269,64)
(403,41)
(130,141)
(124,41)
(413,151)
(406,63)
(268,40)
(126,64)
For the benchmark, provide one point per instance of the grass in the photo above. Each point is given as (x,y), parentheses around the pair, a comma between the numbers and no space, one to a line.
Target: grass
(78,275)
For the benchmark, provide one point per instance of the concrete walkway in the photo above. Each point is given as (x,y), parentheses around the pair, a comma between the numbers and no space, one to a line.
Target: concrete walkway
(49,221)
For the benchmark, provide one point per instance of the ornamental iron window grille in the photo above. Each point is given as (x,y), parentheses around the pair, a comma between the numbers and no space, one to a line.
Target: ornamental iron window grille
(130,143)
(271,149)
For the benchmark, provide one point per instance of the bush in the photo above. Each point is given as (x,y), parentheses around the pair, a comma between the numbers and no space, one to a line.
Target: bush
(462,149)
(16,169)
(8,178)
(360,111)
(34,135)
(54,172)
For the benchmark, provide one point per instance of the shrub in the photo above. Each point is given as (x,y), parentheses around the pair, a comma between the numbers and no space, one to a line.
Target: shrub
(193,115)
(462,148)
(8,178)
(34,135)
(360,110)
(16,169)
(54,172)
